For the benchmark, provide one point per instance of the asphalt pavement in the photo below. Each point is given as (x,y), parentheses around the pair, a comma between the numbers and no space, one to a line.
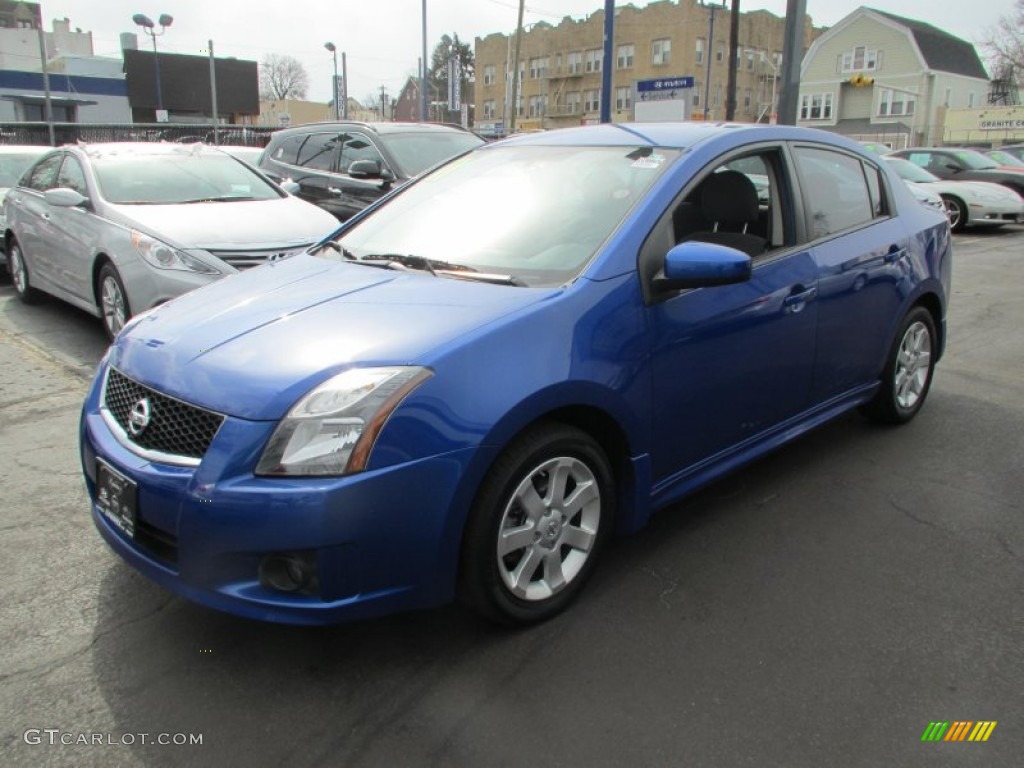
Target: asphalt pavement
(819,608)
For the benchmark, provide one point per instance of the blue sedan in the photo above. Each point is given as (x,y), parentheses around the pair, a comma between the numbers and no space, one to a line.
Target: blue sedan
(474,383)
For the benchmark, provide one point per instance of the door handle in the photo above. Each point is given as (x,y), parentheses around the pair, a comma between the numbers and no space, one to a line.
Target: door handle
(334,191)
(798,297)
(895,254)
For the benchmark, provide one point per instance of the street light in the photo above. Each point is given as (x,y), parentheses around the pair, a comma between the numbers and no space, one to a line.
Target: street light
(711,49)
(148,27)
(334,84)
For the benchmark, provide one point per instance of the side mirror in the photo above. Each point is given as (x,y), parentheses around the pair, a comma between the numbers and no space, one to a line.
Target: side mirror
(365,169)
(64,197)
(291,187)
(700,265)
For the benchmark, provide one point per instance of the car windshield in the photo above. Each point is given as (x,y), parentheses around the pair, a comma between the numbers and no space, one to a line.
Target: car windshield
(909,171)
(1005,158)
(416,152)
(173,178)
(975,160)
(537,214)
(12,165)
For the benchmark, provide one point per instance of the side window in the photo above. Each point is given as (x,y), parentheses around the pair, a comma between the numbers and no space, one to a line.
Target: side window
(72,176)
(44,175)
(318,151)
(738,203)
(288,150)
(920,158)
(875,188)
(356,146)
(836,193)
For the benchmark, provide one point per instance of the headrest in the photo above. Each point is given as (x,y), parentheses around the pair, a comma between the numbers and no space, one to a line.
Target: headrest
(729,196)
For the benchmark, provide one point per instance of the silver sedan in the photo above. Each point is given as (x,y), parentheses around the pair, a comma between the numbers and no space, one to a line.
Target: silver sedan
(116,229)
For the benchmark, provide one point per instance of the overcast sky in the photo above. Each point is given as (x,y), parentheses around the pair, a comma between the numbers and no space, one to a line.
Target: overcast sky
(382,38)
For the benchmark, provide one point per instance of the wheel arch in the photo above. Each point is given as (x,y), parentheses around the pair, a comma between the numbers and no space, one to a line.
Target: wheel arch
(931,302)
(101,259)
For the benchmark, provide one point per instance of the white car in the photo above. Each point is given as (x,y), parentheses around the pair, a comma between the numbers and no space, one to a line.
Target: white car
(968,203)
(116,229)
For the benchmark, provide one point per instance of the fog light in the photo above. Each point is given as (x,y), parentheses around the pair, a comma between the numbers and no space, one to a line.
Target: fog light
(288,572)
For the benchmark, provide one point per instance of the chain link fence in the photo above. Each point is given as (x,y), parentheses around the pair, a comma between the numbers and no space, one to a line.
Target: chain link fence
(70,133)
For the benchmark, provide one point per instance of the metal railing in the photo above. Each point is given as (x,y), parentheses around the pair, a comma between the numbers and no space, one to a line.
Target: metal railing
(71,133)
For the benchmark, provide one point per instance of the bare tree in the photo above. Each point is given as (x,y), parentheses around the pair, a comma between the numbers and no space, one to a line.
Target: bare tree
(1005,43)
(282,77)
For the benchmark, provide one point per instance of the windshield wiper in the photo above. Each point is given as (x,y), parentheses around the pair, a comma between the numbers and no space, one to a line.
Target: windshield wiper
(225,199)
(335,246)
(482,277)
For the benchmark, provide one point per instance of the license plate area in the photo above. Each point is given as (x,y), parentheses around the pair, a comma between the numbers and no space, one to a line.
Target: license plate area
(117,497)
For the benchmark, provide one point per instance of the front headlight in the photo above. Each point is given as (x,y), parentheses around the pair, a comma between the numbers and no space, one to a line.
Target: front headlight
(331,430)
(163,256)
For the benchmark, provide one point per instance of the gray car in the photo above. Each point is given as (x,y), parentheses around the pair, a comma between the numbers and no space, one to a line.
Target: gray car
(116,229)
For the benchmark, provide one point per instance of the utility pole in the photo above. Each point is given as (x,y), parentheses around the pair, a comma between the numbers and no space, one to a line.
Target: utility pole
(383,103)
(515,69)
(48,104)
(734,44)
(792,54)
(213,94)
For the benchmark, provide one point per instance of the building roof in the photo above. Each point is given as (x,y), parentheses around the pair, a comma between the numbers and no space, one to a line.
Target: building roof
(942,51)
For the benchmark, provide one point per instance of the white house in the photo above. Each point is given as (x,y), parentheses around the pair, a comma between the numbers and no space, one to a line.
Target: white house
(875,76)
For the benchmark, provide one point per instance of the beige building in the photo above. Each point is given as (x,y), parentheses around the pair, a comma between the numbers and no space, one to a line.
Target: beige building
(988,126)
(560,66)
(288,112)
(879,77)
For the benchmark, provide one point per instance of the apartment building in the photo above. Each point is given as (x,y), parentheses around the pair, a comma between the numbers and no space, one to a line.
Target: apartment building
(560,65)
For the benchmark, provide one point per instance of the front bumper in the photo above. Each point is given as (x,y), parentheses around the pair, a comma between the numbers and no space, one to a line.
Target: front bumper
(203,531)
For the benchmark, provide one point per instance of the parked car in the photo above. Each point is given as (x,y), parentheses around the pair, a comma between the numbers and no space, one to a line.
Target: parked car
(1016,150)
(116,229)
(14,159)
(963,165)
(926,197)
(469,387)
(967,202)
(1004,159)
(345,166)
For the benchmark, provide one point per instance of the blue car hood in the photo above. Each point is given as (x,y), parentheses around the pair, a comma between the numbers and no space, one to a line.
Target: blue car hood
(252,344)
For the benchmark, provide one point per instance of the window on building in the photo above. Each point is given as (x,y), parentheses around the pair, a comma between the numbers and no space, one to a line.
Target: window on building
(698,89)
(948,100)
(623,98)
(860,59)
(892,103)
(748,98)
(970,99)
(592,60)
(661,51)
(591,101)
(489,110)
(751,57)
(489,71)
(699,55)
(573,101)
(574,63)
(720,52)
(538,68)
(816,106)
(718,94)
(624,57)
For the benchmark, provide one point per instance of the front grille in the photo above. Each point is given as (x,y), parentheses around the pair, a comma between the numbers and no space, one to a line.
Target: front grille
(174,428)
(254,257)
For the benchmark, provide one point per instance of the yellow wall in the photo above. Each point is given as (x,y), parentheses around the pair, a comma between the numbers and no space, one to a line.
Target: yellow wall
(985,125)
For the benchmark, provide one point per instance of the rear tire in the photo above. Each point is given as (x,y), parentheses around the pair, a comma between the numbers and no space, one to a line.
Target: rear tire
(539,523)
(19,273)
(908,371)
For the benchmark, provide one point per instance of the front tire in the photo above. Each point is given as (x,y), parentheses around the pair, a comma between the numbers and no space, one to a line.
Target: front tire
(908,371)
(113,300)
(541,519)
(19,273)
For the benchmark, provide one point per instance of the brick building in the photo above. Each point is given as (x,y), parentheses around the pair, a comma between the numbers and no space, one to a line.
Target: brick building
(560,66)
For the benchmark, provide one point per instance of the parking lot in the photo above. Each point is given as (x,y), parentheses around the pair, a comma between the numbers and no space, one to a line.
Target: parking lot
(821,607)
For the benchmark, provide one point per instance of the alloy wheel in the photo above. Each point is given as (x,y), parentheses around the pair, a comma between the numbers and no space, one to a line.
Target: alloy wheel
(913,365)
(113,305)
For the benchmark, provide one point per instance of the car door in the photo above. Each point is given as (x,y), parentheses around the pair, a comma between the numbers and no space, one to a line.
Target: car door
(732,362)
(31,219)
(861,251)
(75,232)
(316,170)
